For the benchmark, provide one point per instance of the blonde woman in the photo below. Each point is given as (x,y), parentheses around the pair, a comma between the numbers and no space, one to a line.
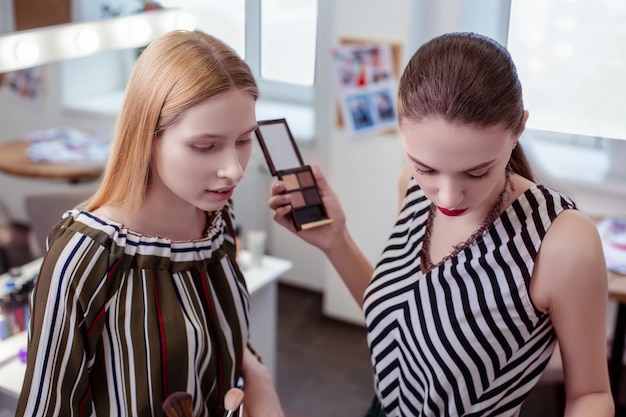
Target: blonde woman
(139,295)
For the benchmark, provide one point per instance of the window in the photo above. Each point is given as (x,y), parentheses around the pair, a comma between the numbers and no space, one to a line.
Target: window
(223,19)
(569,58)
(276,38)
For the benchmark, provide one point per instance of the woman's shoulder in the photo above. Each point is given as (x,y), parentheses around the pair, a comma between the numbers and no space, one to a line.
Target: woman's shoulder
(538,199)
(570,256)
(79,223)
(75,250)
(79,230)
(573,235)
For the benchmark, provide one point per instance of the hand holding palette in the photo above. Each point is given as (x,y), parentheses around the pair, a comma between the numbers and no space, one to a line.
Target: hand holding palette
(284,161)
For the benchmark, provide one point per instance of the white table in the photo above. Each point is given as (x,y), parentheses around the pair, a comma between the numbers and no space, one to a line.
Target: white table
(262,285)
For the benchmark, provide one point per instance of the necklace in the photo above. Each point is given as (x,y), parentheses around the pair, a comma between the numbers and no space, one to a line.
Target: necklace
(427,264)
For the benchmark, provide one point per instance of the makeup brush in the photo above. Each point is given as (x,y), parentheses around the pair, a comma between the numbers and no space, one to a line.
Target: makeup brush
(232,401)
(178,404)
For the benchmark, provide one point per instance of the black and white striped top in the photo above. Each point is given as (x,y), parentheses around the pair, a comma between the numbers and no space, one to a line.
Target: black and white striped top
(463,339)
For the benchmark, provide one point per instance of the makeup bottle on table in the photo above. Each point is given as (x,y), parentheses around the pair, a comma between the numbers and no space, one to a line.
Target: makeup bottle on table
(4,320)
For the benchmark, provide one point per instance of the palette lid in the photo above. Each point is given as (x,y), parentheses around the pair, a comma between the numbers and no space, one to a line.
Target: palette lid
(278,145)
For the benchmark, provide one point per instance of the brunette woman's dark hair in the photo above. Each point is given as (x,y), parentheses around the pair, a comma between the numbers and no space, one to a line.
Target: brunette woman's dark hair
(465,78)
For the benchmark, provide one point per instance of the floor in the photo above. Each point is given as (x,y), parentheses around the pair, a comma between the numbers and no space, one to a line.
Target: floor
(323,366)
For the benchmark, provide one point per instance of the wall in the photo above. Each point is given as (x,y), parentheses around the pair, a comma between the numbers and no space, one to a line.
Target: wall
(6,16)
(363,170)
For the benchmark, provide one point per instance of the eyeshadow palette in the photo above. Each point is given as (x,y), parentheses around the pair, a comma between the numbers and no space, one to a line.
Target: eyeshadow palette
(284,161)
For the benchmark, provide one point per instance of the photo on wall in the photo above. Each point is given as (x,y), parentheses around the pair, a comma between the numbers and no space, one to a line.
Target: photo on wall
(26,85)
(365,84)
(360,65)
(369,109)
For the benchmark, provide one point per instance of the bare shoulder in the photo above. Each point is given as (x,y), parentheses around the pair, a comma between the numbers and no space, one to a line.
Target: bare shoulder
(574,237)
(570,257)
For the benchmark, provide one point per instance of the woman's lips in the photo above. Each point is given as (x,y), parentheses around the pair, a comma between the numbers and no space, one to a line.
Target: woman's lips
(451,212)
(222,195)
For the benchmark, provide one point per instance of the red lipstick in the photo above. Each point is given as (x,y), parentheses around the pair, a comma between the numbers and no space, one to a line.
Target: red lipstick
(451,212)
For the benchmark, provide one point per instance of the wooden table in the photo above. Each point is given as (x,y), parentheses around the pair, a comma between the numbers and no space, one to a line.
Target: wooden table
(14,160)
(617,292)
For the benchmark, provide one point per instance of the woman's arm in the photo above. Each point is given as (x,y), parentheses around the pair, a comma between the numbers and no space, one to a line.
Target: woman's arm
(260,396)
(570,282)
(56,380)
(333,239)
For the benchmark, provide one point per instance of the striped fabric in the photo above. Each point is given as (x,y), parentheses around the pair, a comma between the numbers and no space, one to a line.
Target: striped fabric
(121,320)
(463,339)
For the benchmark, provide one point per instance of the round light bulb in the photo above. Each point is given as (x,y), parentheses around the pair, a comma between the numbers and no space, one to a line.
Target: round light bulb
(87,40)
(26,52)
(139,31)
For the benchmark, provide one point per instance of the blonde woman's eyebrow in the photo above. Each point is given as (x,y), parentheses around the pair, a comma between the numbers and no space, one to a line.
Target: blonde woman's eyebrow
(207,135)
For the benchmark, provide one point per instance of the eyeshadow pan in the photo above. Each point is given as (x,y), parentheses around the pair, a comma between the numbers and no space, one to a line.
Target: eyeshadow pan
(306,179)
(297,200)
(291,181)
(285,162)
(312,196)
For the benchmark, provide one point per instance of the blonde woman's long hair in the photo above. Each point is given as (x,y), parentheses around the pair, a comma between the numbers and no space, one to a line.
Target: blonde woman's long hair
(177,71)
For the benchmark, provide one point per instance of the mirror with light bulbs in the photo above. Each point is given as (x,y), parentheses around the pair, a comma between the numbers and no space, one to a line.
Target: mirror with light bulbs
(33,47)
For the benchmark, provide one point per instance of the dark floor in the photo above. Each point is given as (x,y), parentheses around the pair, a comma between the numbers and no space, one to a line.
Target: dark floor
(323,366)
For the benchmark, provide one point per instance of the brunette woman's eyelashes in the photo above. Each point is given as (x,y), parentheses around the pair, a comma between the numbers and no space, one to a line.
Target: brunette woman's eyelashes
(421,171)
(479,177)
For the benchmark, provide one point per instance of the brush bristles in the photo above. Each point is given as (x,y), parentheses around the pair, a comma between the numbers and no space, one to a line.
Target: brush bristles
(233,399)
(178,404)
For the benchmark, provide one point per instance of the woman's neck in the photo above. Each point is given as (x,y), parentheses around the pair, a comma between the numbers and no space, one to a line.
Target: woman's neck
(155,218)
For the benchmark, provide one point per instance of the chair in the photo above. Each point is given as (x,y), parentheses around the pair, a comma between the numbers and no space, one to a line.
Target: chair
(14,244)
(44,210)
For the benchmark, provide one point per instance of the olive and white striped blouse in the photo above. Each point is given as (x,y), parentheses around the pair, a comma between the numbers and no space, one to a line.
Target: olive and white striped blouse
(121,320)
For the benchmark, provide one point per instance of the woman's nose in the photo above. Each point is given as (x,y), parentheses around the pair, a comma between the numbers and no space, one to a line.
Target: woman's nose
(231,167)
(450,195)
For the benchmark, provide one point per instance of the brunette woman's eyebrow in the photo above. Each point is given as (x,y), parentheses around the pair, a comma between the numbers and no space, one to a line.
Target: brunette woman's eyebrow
(479,166)
(417,161)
